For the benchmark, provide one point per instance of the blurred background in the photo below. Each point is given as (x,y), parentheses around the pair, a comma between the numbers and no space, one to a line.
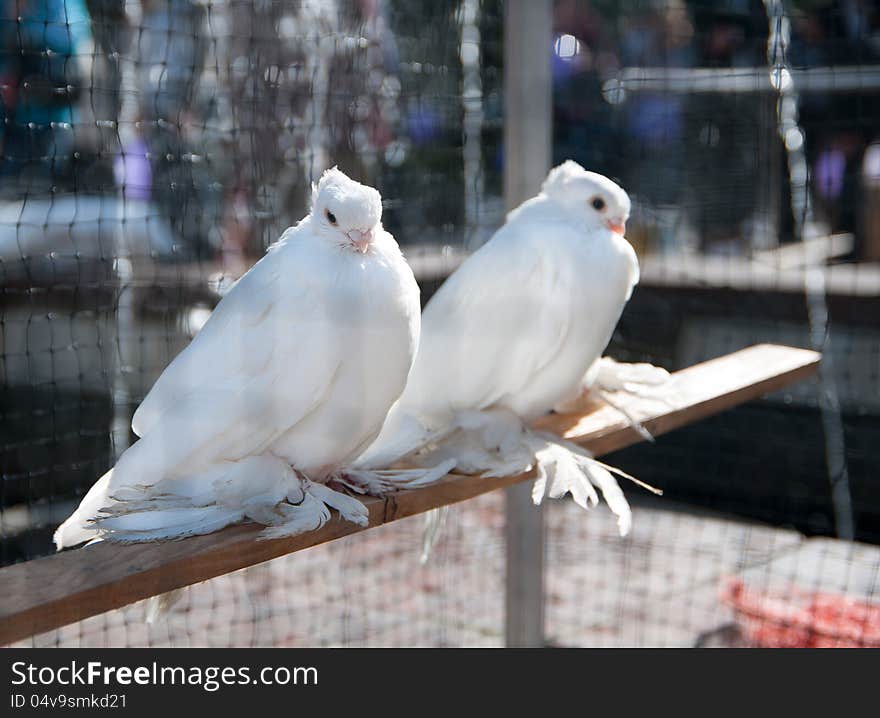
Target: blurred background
(151,150)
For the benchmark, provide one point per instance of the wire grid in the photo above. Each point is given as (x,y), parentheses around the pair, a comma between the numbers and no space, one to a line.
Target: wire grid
(658,587)
(152,150)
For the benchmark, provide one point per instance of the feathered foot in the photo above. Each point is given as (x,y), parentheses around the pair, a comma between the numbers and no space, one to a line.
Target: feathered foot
(308,509)
(634,423)
(610,382)
(563,467)
(637,379)
(561,472)
(488,442)
(376,482)
(614,379)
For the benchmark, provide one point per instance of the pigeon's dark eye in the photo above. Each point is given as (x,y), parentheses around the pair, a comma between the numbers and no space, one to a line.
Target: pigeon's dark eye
(331,218)
(598,203)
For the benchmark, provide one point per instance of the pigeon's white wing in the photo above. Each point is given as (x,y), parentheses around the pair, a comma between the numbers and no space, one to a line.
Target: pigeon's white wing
(261,363)
(213,354)
(492,325)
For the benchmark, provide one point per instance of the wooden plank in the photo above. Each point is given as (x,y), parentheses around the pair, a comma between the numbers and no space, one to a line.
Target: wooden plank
(50,592)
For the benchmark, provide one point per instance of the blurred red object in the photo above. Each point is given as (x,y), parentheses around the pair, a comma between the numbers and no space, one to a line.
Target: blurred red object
(800,619)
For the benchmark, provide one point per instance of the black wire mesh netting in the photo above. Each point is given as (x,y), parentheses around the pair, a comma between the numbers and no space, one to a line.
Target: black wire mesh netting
(150,152)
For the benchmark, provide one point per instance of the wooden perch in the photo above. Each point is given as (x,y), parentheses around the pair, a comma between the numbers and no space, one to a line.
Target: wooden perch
(48,593)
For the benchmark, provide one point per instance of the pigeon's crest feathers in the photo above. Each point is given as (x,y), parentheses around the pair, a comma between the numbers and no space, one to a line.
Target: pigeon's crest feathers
(559,176)
(332,176)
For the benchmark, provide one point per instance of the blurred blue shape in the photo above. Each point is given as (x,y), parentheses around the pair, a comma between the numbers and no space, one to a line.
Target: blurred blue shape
(41,77)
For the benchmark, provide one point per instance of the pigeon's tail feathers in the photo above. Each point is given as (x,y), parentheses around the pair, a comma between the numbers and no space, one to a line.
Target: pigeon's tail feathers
(434,522)
(132,513)
(160,606)
(77,528)
(168,522)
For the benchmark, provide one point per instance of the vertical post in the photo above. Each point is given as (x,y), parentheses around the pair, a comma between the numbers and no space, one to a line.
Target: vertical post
(472,124)
(124,327)
(528,26)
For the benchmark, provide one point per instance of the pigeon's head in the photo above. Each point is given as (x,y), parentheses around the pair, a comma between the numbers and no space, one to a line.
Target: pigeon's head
(590,199)
(346,212)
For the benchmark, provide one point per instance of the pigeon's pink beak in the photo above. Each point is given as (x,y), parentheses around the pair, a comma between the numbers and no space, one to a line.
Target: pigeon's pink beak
(361,240)
(618,227)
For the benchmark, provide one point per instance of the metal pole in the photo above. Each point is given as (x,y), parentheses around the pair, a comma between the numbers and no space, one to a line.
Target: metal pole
(528,26)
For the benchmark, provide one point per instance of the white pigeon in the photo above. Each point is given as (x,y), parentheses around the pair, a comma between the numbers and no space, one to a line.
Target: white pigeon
(513,333)
(288,381)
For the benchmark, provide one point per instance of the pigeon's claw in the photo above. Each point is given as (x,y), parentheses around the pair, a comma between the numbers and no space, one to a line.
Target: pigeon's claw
(308,509)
